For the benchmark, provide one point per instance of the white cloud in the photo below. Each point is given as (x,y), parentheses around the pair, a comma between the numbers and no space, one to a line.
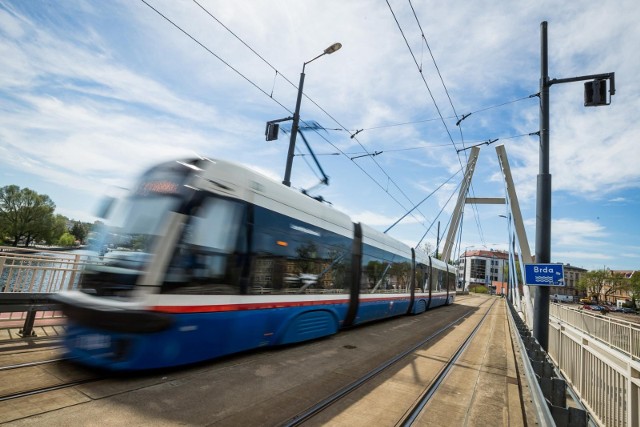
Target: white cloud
(86,103)
(569,232)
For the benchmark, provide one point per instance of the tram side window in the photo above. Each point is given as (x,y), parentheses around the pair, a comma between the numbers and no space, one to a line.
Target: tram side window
(209,257)
(293,257)
(433,279)
(422,279)
(452,281)
(384,272)
(437,280)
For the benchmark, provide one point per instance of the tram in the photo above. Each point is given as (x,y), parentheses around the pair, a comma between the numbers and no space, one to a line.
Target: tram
(206,258)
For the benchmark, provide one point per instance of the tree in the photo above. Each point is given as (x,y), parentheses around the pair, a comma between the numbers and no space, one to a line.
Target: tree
(429,248)
(67,240)
(25,216)
(58,229)
(634,286)
(79,230)
(615,284)
(592,282)
(601,283)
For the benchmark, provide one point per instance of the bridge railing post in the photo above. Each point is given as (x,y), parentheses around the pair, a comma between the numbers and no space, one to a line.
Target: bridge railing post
(27,329)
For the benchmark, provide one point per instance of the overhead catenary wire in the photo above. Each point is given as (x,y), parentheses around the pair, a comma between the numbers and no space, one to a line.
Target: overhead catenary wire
(422,201)
(313,102)
(267,94)
(430,146)
(212,53)
(476,215)
(436,66)
(354,132)
(475,208)
(371,155)
(270,95)
(440,212)
(424,80)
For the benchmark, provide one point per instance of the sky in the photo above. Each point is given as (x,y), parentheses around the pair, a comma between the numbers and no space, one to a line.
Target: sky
(94,92)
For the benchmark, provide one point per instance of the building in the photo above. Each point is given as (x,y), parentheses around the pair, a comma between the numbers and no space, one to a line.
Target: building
(490,268)
(568,292)
(482,268)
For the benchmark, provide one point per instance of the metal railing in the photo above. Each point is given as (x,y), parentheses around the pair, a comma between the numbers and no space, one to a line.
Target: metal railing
(28,277)
(32,270)
(619,334)
(598,356)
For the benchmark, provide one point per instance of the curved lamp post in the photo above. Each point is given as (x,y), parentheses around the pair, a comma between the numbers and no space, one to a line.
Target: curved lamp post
(296,115)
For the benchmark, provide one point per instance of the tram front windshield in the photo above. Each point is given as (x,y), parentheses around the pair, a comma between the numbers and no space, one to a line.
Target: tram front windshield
(124,243)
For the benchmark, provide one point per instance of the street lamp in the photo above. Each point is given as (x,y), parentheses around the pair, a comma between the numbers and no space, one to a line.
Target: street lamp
(296,115)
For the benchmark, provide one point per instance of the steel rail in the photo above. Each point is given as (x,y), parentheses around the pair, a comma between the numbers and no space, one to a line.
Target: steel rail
(435,385)
(36,391)
(29,364)
(331,399)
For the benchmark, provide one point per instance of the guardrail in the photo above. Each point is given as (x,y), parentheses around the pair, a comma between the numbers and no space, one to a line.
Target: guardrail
(29,276)
(548,388)
(617,333)
(598,356)
(32,270)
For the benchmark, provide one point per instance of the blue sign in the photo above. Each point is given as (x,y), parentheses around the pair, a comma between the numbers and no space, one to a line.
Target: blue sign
(544,274)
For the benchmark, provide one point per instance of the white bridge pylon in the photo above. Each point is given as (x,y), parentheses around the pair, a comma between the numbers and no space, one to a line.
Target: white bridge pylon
(516,216)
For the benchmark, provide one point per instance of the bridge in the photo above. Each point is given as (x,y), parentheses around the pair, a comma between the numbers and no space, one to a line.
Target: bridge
(590,374)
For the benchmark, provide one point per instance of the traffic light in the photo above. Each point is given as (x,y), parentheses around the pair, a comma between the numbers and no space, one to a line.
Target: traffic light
(271,132)
(595,93)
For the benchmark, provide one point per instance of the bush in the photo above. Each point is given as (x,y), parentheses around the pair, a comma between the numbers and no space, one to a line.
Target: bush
(480,289)
(67,240)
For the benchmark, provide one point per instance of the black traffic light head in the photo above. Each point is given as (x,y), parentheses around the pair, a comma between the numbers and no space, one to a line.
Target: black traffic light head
(595,93)
(272,131)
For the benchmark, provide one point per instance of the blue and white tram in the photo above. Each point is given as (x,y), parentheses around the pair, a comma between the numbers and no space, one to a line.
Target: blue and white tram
(206,258)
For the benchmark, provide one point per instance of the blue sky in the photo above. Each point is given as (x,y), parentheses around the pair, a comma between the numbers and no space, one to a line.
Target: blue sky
(93,92)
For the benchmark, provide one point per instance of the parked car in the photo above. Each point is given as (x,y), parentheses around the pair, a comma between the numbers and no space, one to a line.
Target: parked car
(594,307)
(627,310)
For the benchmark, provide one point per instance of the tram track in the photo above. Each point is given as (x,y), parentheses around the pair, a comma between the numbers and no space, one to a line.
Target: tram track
(415,410)
(29,364)
(290,378)
(418,407)
(18,344)
(43,390)
(36,377)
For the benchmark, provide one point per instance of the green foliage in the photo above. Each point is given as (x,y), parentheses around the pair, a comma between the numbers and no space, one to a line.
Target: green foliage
(25,216)
(601,283)
(58,229)
(634,286)
(67,240)
(80,231)
(592,282)
(480,289)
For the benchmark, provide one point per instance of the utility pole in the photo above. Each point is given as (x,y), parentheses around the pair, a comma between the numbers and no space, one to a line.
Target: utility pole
(543,199)
(594,95)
